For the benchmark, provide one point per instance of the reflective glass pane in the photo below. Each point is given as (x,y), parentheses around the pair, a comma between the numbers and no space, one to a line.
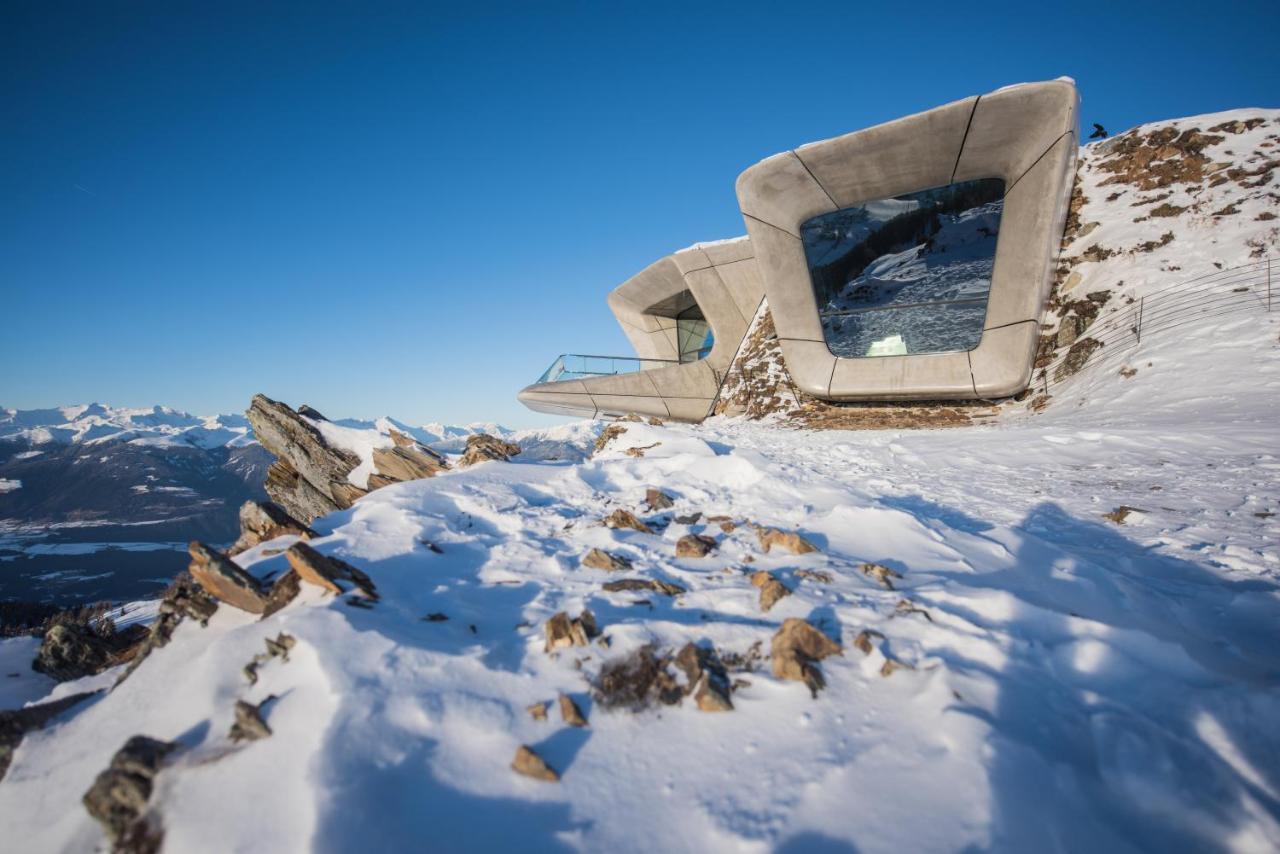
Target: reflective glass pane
(909,274)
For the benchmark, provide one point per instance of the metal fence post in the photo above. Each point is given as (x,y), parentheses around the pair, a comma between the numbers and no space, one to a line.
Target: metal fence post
(1141,302)
(1268,283)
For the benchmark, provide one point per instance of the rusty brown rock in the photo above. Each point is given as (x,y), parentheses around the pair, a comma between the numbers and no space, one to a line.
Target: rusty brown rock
(224,580)
(607,435)
(881,573)
(306,465)
(626,519)
(265,520)
(408,462)
(695,545)
(482,448)
(656,499)
(796,648)
(666,588)
(771,589)
(865,641)
(538,711)
(786,540)
(325,571)
(601,559)
(560,632)
(530,764)
(570,713)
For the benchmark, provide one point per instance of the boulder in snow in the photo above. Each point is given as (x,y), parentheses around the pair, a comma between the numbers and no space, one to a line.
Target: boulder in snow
(224,580)
(797,647)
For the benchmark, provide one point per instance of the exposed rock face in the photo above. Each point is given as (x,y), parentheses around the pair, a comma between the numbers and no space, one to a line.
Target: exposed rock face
(183,598)
(225,581)
(771,589)
(786,540)
(530,764)
(601,559)
(118,797)
(302,478)
(695,545)
(265,520)
(324,571)
(17,723)
(626,519)
(406,462)
(562,632)
(482,448)
(69,652)
(796,648)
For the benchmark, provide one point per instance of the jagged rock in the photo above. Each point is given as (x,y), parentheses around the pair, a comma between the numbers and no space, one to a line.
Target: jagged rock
(70,652)
(182,599)
(636,681)
(224,580)
(707,680)
(561,632)
(324,571)
(538,711)
(481,448)
(407,462)
(666,588)
(249,725)
(796,648)
(570,713)
(265,520)
(606,436)
(656,499)
(118,797)
(311,413)
(771,589)
(881,573)
(282,592)
(307,459)
(346,493)
(695,545)
(530,764)
(16,723)
(600,559)
(788,540)
(626,519)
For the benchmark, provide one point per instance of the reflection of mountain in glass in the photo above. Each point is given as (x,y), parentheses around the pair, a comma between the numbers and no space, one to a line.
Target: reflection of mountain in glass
(909,274)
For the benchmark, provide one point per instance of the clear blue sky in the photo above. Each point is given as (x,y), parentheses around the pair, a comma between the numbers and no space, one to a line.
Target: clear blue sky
(398,209)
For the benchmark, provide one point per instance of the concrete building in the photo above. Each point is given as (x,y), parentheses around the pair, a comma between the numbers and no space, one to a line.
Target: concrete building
(910,260)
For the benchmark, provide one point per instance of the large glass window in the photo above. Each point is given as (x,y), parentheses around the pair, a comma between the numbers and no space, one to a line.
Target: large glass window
(906,275)
(693,335)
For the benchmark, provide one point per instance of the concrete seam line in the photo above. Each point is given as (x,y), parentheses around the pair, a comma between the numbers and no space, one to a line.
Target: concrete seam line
(1009,189)
(771,225)
(972,379)
(835,361)
(805,340)
(964,138)
(815,179)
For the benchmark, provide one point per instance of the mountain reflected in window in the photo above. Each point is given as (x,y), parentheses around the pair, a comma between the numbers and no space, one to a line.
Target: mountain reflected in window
(906,275)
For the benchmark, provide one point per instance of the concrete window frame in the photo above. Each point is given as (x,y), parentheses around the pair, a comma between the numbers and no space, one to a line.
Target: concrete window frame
(1026,135)
(723,280)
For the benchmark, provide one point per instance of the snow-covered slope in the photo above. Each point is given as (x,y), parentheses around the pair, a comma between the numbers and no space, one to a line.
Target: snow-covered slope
(95,422)
(1064,681)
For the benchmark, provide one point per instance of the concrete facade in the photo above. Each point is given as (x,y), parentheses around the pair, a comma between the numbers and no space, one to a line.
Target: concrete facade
(1025,135)
(719,278)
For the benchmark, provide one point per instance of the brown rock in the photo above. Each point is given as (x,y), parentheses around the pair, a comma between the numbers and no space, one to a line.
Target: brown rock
(796,648)
(638,450)
(265,520)
(1121,513)
(283,591)
(530,764)
(657,500)
(118,797)
(482,448)
(865,641)
(771,589)
(666,588)
(818,575)
(538,711)
(570,713)
(402,440)
(324,571)
(906,608)
(707,680)
(786,540)
(306,465)
(626,519)
(880,573)
(695,545)
(224,580)
(346,493)
(600,559)
(408,462)
(70,652)
(607,435)
(561,632)
(249,725)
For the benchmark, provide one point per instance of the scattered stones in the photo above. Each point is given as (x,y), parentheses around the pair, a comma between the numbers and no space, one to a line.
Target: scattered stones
(796,648)
(225,581)
(561,632)
(183,598)
(666,588)
(786,540)
(407,462)
(626,519)
(601,559)
(570,713)
(324,571)
(906,608)
(249,725)
(278,648)
(636,681)
(865,641)
(17,723)
(537,711)
(819,575)
(118,797)
(656,499)
(695,545)
(881,573)
(771,589)
(483,448)
(530,764)
(708,682)
(1128,372)
(261,521)
(691,519)
(282,592)
(606,436)
(1121,513)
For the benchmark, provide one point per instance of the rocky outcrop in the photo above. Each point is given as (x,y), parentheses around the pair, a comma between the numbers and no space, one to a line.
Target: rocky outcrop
(405,462)
(118,797)
(307,467)
(656,500)
(265,520)
(570,712)
(183,599)
(795,651)
(482,448)
(328,572)
(70,652)
(224,580)
(17,723)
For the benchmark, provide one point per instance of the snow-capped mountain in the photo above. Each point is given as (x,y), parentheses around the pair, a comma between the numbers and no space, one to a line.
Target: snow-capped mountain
(95,422)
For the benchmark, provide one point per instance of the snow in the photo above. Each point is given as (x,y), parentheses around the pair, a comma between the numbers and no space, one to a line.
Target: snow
(9,484)
(97,424)
(1077,684)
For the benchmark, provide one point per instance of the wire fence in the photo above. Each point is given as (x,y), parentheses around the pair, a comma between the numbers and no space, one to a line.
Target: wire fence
(1231,290)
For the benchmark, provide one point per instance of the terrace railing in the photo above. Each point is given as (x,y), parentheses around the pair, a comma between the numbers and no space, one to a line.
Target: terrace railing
(575,366)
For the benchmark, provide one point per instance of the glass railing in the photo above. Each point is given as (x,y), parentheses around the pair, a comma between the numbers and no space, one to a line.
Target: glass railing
(574,366)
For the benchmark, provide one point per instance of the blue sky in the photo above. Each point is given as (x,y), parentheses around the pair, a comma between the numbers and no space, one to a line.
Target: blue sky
(410,210)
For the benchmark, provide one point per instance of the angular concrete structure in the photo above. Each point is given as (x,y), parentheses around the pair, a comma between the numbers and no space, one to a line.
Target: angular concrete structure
(665,310)
(1024,135)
